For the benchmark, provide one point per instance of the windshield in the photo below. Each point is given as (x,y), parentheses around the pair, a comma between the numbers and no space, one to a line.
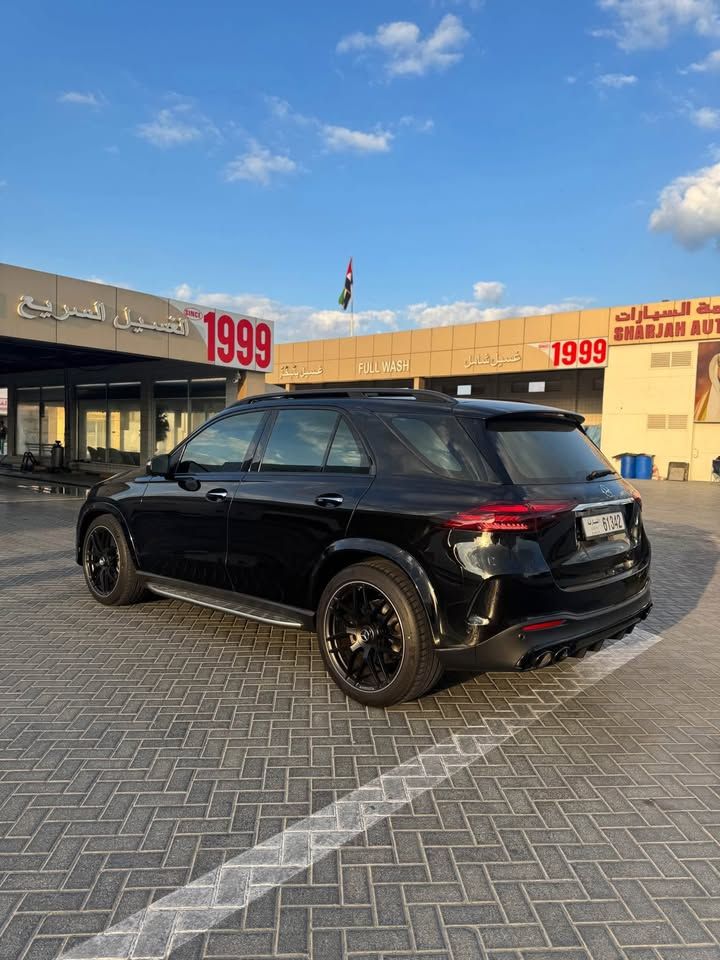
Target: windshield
(539,450)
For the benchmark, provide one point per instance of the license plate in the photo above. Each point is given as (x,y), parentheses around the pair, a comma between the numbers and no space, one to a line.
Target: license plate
(603,525)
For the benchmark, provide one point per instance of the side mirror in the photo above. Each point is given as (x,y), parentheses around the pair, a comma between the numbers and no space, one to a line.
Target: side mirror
(159,466)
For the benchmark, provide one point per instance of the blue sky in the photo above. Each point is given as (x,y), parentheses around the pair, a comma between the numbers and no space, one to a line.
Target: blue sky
(477,159)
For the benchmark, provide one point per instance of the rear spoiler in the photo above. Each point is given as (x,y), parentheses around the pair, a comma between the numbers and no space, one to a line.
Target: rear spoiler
(546,414)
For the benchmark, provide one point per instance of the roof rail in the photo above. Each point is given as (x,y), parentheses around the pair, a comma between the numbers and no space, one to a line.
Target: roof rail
(350,393)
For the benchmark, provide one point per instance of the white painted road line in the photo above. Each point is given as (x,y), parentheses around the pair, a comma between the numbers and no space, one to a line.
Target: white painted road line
(153,933)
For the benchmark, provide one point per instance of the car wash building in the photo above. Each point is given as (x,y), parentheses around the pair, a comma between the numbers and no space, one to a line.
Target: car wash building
(645,377)
(116,375)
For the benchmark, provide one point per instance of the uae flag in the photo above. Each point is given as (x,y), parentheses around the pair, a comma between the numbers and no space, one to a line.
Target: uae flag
(346,295)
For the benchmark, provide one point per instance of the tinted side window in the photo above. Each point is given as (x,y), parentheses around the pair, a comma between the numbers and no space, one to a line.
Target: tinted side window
(299,440)
(441,444)
(346,455)
(222,447)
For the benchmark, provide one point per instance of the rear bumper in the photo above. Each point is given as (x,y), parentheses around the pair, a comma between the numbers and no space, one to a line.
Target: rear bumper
(514,649)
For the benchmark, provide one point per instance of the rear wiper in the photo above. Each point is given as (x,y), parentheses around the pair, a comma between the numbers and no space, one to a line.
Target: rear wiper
(596,474)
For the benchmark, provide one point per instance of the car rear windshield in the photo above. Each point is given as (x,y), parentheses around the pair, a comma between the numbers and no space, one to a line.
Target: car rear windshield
(537,450)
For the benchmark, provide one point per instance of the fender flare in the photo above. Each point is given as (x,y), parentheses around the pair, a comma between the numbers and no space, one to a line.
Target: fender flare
(401,558)
(96,509)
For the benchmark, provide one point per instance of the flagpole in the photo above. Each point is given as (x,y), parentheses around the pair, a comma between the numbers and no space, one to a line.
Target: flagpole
(352,306)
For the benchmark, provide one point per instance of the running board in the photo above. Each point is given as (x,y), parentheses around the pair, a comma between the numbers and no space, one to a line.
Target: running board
(231,604)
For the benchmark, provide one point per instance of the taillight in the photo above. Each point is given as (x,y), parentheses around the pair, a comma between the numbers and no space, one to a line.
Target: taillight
(636,497)
(544,625)
(501,517)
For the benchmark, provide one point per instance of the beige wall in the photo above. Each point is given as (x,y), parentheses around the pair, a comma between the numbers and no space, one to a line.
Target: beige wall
(507,346)
(648,407)
(469,349)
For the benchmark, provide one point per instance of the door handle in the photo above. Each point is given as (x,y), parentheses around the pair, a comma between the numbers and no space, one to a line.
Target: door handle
(329,500)
(217,495)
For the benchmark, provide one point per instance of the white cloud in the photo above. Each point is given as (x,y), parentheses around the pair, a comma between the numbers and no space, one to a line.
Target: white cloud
(183,291)
(336,323)
(404,50)
(292,322)
(689,208)
(616,81)
(259,165)
(283,110)
(488,291)
(707,118)
(107,283)
(416,124)
(463,311)
(644,24)
(341,138)
(87,99)
(175,127)
(710,64)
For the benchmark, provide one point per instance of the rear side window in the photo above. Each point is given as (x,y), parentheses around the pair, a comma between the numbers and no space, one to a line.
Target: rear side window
(299,440)
(313,441)
(346,455)
(545,451)
(440,444)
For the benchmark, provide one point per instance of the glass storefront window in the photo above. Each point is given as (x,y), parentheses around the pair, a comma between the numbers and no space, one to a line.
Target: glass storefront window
(109,422)
(207,397)
(27,422)
(52,415)
(124,423)
(39,419)
(92,422)
(171,414)
(181,406)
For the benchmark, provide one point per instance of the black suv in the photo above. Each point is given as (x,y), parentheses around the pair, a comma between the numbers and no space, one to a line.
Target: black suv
(411,531)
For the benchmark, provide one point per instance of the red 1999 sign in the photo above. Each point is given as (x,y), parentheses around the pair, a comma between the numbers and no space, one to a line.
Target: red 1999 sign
(578,353)
(237,343)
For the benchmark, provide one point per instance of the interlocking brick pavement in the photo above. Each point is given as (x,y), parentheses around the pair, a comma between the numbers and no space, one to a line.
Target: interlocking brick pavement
(142,748)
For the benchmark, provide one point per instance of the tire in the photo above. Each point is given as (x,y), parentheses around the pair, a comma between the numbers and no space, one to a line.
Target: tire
(415,668)
(120,586)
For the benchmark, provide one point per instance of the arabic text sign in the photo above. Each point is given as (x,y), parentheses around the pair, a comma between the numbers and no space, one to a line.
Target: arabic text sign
(689,320)
(567,354)
(29,309)
(492,359)
(293,371)
(226,339)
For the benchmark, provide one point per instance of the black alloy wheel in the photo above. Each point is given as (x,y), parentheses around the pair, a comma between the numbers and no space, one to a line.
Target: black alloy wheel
(374,635)
(102,560)
(108,563)
(364,636)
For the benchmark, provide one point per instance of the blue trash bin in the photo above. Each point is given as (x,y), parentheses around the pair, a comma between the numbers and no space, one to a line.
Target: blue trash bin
(627,466)
(643,467)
